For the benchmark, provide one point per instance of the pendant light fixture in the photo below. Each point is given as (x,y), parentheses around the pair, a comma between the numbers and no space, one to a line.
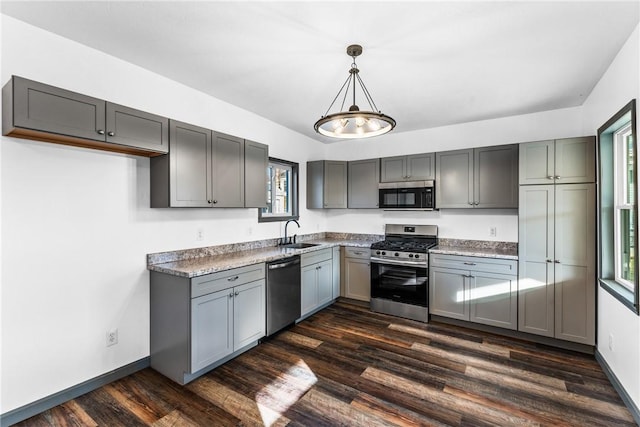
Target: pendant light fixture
(354,123)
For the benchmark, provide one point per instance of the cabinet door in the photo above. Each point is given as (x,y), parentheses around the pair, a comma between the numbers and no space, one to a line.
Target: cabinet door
(536,254)
(135,128)
(536,163)
(325,282)
(496,177)
(493,300)
(364,176)
(393,169)
(448,293)
(315,184)
(575,160)
(189,166)
(454,179)
(256,163)
(50,109)
(249,317)
(336,271)
(357,279)
(335,184)
(421,167)
(575,278)
(228,171)
(309,289)
(211,328)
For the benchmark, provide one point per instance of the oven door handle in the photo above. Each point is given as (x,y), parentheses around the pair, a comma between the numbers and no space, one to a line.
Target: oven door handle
(394,262)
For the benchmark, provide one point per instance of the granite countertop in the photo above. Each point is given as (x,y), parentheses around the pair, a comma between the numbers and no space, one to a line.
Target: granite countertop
(199,266)
(504,253)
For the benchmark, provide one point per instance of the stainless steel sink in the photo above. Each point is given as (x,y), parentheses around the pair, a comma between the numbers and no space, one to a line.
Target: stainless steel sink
(300,245)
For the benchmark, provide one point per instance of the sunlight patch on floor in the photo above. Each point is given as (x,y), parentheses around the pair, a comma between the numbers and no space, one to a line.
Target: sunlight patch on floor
(286,390)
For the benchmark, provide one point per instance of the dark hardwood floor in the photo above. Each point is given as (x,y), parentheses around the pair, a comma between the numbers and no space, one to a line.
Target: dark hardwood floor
(348,366)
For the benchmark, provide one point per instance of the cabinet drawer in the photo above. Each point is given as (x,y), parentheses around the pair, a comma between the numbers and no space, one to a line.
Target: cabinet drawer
(315,257)
(489,265)
(226,279)
(361,253)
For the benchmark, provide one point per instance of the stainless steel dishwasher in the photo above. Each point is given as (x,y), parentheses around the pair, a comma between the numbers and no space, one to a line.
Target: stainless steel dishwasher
(283,293)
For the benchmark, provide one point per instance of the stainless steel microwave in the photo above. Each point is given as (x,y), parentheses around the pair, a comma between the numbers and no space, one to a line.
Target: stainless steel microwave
(418,195)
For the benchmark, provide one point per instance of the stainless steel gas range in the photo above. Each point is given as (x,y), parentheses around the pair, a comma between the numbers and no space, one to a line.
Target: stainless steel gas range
(400,271)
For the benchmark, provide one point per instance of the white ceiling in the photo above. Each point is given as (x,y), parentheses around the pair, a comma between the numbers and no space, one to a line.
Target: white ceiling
(427,64)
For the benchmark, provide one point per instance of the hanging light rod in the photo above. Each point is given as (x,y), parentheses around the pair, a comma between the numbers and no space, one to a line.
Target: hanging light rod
(354,123)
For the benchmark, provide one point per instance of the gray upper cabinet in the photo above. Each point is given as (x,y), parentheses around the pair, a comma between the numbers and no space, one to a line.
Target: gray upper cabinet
(326,184)
(207,169)
(228,171)
(256,162)
(135,128)
(34,110)
(484,177)
(416,167)
(560,161)
(363,179)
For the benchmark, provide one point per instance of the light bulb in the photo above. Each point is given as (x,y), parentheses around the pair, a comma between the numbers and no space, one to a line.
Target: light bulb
(360,121)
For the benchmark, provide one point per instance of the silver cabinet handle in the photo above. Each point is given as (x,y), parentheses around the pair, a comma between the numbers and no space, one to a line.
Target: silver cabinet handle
(100,132)
(557,261)
(111,133)
(215,201)
(358,253)
(476,203)
(549,260)
(231,295)
(557,177)
(232,279)
(235,293)
(469,263)
(209,201)
(550,177)
(470,203)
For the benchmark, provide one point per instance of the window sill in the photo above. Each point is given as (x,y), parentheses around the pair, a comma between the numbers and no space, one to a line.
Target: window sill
(619,292)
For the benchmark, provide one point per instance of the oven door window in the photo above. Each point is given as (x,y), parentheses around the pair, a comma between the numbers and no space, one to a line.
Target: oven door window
(399,283)
(388,198)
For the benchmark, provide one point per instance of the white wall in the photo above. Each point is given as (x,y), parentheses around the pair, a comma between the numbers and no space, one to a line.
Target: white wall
(619,85)
(76,223)
(459,223)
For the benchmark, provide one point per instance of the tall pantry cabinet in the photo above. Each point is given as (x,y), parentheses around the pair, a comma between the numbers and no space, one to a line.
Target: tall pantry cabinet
(557,224)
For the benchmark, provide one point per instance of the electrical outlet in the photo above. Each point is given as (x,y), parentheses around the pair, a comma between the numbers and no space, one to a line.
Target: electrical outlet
(249,231)
(112,337)
(200,234)
(493,231)
(610,342)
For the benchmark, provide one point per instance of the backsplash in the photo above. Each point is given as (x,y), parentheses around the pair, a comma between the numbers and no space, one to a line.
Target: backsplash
(479,244)
(171,256)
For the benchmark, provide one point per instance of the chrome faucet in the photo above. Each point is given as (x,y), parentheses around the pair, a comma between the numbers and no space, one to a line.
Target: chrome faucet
(284,242)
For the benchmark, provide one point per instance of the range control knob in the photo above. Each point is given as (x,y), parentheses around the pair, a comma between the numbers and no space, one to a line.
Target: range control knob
(384,253)
(397,254)
(410,255)
(417,255)
(377,252)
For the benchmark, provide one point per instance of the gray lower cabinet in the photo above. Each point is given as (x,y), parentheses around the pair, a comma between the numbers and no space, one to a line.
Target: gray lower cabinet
(208,169)
(363,179)
(326,184)
(416,167)
(356,273)
(317,280)
(557,261)
(199,323)
(560,161)
(484,177)
(335,254)
(480,290)
(34,110)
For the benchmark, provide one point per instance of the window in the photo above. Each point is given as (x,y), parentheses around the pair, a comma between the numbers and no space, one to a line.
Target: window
(624,206)
(282,192)
(618,207)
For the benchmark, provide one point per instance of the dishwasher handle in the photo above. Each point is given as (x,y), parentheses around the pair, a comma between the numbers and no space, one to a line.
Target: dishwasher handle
(286,263)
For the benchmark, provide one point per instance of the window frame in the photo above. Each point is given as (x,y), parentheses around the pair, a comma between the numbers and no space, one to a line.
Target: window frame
(293,192)
(621,202)
(608,210)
